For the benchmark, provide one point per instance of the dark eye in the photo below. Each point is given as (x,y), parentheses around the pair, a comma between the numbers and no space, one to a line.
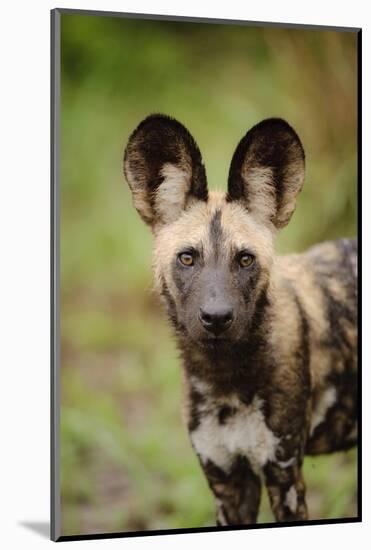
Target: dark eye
(186,258)
(246,260)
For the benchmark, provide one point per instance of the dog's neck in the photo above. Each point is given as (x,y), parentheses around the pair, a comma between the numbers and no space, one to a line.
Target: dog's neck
(239,367)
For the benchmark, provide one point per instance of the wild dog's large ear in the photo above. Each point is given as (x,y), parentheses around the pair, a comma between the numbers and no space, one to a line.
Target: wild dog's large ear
(267,171)
(164,169)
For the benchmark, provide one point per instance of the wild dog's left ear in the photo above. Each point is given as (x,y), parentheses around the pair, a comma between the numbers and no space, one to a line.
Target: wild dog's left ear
(164,169)
(267,171)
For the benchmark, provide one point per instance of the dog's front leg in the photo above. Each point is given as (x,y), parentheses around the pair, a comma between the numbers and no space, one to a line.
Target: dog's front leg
(237,492)
(286,490)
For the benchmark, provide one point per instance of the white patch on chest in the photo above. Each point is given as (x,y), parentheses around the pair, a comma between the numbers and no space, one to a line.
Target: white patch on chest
(244,433)
(326,401)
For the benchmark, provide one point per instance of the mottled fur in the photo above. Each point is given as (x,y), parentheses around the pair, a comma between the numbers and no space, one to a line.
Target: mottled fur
(279,380)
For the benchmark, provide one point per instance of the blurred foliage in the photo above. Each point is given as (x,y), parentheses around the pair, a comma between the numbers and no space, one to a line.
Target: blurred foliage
(126,460)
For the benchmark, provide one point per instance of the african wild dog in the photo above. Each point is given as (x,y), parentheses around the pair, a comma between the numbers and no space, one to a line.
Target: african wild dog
(268,343)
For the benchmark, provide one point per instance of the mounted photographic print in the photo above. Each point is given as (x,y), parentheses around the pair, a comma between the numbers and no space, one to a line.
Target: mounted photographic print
(204,274)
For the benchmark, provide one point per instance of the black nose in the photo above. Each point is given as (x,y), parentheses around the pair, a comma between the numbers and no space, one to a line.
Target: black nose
(216,320)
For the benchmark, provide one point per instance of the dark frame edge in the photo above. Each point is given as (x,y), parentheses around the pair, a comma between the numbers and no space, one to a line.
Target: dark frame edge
(324,522)
(359,261)
(55,51)
(211,20)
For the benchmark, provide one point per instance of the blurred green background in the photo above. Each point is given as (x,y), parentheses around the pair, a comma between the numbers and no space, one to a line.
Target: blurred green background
(126,462)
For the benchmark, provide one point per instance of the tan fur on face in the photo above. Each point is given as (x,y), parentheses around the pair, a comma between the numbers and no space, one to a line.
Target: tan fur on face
(192,228)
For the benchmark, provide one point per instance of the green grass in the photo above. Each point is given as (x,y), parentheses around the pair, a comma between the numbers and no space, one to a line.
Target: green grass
(126,462)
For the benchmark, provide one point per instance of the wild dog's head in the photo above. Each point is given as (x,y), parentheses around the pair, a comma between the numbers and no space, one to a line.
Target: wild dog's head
(213,251)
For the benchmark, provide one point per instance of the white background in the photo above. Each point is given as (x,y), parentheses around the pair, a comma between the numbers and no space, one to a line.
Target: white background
(24,273)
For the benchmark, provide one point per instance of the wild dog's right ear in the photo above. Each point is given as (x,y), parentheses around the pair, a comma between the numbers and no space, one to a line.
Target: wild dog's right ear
(164,169)
(267,172)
